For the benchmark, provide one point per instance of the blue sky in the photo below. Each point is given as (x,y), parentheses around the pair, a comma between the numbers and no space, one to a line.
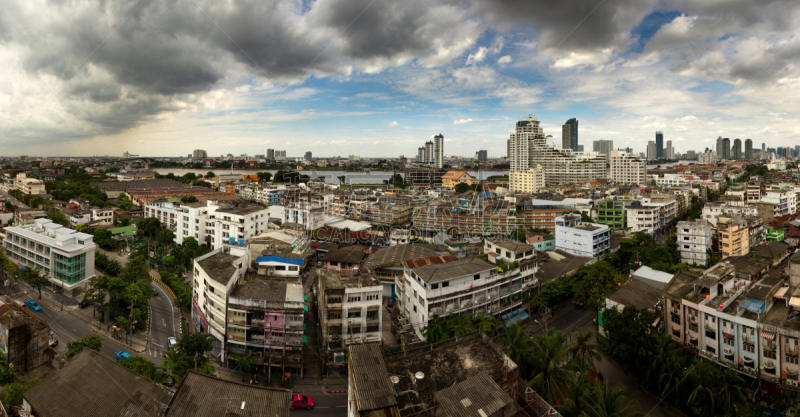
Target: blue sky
(375,78)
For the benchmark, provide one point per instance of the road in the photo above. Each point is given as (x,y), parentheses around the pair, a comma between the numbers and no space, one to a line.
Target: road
(567,317)
(326,405)
(165,322)
(13,200)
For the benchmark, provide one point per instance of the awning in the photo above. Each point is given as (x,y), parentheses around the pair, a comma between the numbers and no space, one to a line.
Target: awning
(655,323)
(305,308)
(676,327)
(768,335)
(305,340)
(794,302)
(727,335)
(781,294)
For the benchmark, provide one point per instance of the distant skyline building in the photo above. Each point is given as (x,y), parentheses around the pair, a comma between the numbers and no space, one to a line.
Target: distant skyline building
(199,154)
(670,151)
(280,155)
(737,149)
(748,149)
(603,146)
(432,153)
(726,149)
(660,145)
(718,149)
(569,135)
(691,155)
(308,156)
(482,155)
(763,147)
(626,169)
(651,151)
(271,154)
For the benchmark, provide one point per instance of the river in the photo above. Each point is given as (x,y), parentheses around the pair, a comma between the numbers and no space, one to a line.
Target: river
(331,177)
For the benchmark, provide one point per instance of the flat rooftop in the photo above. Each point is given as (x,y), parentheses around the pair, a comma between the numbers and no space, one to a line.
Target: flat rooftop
(336,280)
(269,290)
(394,255)
(241,210)
(448,270)
(219,266)
(682,284)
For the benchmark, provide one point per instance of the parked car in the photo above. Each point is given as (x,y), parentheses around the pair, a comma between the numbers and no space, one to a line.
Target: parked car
(34,305)
(172,342)
(84,304)
(302,402)
(53,341)
(122,355)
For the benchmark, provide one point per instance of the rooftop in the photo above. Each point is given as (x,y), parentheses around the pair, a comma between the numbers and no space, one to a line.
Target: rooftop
(371,385)
(206,396)
(240,209)
(511,245)
(332,279)
(347,254)
(682,284)
(219,266)
(477,396)
(394,255)
(636,293)
(558,263)
(91,384)
(268,290)
(442,365)
(453,269)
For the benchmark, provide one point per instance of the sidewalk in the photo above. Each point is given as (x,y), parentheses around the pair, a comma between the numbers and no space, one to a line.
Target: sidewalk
(330,385)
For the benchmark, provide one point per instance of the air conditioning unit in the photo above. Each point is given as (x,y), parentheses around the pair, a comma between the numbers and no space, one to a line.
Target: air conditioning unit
(335,338)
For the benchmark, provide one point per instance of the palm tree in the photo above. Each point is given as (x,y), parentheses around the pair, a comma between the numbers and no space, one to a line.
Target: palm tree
(605,401)
(548,358)
(434,331)
(518,346)
(583,351)
(730,393)
(486,323)
(703,381)
(577,395)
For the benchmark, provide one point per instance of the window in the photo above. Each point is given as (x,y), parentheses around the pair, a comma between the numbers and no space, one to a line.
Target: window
(792,359)
(693,327)
(477,276)
(372,314)
(372,297)
(333,316)
(434,286)
(749,348)
(334,300)
(445,284)
(729,342)
(770,354)
(676,319)
(354,299)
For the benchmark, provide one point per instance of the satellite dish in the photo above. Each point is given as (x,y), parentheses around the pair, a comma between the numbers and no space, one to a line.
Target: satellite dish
(395,379)
(419,375)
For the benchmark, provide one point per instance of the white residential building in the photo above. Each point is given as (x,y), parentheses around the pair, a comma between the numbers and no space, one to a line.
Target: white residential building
(669,180)
(626,168)
(215,275)
(216,224)
(29,185)
(530,181)
(668,203)
(582,239)
(66,256)
(713,209)
(192,221)
(694,241)
(448,285)
(165,212)
(785,199)
(644,218)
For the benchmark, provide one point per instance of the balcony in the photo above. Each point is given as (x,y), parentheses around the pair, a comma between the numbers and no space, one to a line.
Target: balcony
(792,350)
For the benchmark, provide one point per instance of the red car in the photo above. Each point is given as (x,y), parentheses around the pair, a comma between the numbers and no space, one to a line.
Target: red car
(300,402)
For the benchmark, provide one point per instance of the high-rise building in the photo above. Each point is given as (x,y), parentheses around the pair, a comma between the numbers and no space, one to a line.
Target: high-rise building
(530,148)
(530,181)
(508,149)
(126,154)
(763,147)
(626,169)
(428,152)
(660,145)
(691,154)
(748,149)
(737,149)
(280,155)
(719,147)
(651,151)
(199,154)
(726,149)
(670,152)
(438,151)
(421,155)
(481,155)
(569,135)
(271,154)
(580,148)
(603,146)
(308,156)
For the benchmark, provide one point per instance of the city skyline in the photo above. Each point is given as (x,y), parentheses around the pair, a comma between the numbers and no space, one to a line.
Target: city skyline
(258,76)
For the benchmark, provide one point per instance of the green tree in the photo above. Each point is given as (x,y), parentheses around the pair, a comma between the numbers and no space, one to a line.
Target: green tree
(92,341)
(551,379)
(486,323)
(244,362)
(461,187)
(519,347)
(264,176)
(35,278)
(146,369)
(605,401)
(12,394)
(342,179)
(196,345)
(583,351)
(189,199)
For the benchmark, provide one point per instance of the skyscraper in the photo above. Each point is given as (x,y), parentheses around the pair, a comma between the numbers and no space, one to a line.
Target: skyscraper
(651,151)
(719,147)
(308,156)
(725,152)
(199,154)
(438,151)
(763,147)
(421,155)
(603,146)
(670,152)
(748,149)
(569,135)
(428,152)
(481,155)
(270,154)
(660,145)
(737,149)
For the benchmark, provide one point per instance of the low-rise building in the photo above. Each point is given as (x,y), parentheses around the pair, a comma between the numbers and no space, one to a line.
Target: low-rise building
(24,338)
(451,178)
(541,242)
(530,181)
(215,275)
(66,256)
(582,239)
(611,213)
(349,311)
(694,241)
(644,218)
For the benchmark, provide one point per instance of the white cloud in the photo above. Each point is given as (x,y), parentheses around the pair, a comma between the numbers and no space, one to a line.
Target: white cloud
(462,121)
(478,56)
(394,123)
(689,118)
(504,60)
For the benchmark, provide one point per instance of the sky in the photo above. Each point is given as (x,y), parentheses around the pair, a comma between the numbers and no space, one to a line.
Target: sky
(378,78)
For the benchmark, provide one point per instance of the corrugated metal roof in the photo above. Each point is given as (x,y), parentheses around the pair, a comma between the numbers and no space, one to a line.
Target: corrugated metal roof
(207,396)
(477,396)
(429,260)
(371,385)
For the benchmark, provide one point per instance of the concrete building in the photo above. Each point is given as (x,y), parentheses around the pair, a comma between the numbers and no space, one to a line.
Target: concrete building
(694,241)
(530,148)
(215,275)
(265,320)
(670,151)
(748,149)
(582,239)
(651,151)
(215,224)
(785,201)
(712,210)
(626,168)
(611,213)
(541,242)
(734,236)
(350,312)
(603,146)
(452,178)
(66,256)
(29,185)
(482,155)
(644,218)
(737,149)
(24,338)
(531,181)
(726,148)
(442,285)
(199,154)
(660,145)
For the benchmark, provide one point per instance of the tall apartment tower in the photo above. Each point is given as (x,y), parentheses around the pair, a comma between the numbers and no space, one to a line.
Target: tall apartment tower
(482,155)
(603,146)
(428,152)
(438,151)
(670,152)
(719,147)
(660,145)
(421,155)
(748,149)
(763,147)
(308,156)
(737,149)
(270,154)
(569,135)
(199,154)
(726,149)
(651,151)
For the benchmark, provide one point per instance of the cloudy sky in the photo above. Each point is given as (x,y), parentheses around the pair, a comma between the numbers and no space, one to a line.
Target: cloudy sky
(380,77)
